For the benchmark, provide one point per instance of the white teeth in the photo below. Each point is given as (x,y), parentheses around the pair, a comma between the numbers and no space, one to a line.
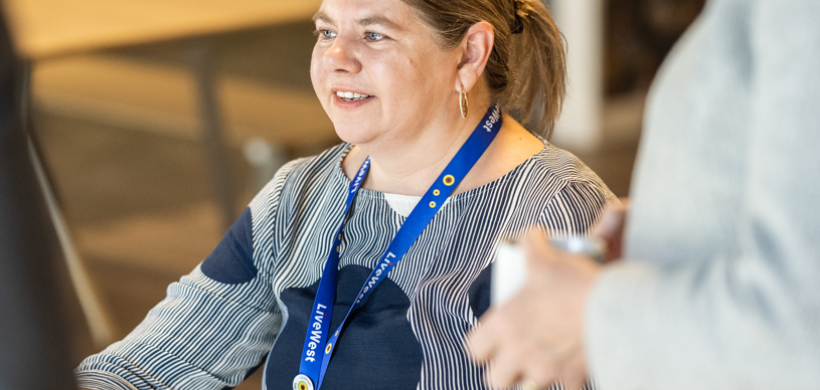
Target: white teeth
(351,96)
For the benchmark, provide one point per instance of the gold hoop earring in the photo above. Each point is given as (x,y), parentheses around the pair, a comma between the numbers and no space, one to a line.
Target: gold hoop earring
(462,102)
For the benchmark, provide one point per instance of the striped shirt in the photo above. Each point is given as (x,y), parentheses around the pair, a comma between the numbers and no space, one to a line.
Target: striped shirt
(248,304)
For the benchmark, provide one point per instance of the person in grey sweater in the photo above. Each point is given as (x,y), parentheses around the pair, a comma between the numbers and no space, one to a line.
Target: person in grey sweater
(720,283)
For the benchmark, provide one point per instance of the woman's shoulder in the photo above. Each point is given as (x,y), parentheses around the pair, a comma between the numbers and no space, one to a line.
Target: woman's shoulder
(307,171)
(554,173)
(297,177)
(323,163)
(561,165)
(573,196)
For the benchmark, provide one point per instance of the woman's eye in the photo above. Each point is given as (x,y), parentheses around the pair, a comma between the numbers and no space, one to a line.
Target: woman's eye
(327,34)
(371,36)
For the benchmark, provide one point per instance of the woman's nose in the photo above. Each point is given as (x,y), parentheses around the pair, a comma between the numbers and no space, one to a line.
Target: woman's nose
(341,57)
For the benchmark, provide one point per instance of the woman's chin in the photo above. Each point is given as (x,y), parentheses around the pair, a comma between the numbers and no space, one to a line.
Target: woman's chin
(357,133)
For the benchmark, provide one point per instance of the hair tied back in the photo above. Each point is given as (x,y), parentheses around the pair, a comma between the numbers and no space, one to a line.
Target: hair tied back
(526,70)
(518,25)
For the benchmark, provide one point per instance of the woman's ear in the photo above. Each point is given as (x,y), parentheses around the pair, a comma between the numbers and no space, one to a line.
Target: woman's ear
(475,48)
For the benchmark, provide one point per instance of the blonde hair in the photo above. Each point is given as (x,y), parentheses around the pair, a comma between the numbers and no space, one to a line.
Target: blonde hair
(526,72)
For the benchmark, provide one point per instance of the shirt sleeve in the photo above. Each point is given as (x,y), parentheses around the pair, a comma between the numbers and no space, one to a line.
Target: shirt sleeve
(749,319)
(576,207)
(215,326)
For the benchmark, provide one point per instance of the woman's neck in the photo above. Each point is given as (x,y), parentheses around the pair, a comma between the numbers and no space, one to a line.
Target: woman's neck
(409,165)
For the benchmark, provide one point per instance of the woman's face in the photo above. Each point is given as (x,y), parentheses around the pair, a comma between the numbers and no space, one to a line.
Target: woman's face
(378,72)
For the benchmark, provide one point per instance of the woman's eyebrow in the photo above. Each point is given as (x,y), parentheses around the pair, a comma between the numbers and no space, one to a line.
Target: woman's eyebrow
(323,17)
(380,20)
(368,21)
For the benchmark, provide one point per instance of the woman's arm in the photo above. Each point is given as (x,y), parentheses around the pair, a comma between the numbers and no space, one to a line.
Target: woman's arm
(215,325)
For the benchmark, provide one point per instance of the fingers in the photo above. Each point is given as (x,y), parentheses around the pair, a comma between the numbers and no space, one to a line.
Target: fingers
(542,372)
(506,368)
(485,346)
(611,222)
(610,228)
(482,342)
(574,383)
(497,342)
(545,373)
(542,348)
(574,375)
(513,362)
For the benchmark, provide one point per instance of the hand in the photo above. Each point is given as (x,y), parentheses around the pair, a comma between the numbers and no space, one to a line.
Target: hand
(610,229)
(538,334)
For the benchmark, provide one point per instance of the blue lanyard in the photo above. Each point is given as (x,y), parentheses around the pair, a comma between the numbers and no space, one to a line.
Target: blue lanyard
(318,348)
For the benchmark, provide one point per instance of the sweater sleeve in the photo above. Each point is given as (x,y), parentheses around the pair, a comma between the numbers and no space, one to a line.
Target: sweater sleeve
(749,319)
(215,326)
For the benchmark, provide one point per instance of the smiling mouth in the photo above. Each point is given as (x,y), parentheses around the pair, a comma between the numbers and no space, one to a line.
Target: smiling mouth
(351,96)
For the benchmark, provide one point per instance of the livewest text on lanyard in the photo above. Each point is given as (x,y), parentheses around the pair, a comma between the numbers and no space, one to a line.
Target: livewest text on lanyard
(318,348)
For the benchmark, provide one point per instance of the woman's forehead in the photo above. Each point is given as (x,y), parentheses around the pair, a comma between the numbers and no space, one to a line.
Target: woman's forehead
(392,13)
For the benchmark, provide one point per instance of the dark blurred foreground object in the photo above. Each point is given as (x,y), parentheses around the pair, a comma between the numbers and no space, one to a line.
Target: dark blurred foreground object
(33,347)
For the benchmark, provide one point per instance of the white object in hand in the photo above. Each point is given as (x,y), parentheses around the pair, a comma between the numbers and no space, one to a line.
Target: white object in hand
(510,267)
(509,273)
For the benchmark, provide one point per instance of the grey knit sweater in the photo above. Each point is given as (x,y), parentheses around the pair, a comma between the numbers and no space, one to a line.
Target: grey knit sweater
(721,286)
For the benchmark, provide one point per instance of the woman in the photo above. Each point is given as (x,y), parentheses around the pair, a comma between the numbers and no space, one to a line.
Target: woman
(410,86)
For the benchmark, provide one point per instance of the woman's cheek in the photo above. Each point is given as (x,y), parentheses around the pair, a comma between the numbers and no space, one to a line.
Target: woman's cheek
(389,77)
(317,75)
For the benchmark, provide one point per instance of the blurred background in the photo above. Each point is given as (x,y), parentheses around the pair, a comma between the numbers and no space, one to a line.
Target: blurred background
(156,121)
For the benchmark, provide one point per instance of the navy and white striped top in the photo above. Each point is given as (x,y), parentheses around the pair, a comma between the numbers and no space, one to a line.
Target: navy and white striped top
(247,305)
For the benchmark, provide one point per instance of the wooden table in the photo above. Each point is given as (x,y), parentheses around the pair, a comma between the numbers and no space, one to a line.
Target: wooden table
(43,28)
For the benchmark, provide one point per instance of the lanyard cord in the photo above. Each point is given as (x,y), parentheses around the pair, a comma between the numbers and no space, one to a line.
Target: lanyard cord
(318,349)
